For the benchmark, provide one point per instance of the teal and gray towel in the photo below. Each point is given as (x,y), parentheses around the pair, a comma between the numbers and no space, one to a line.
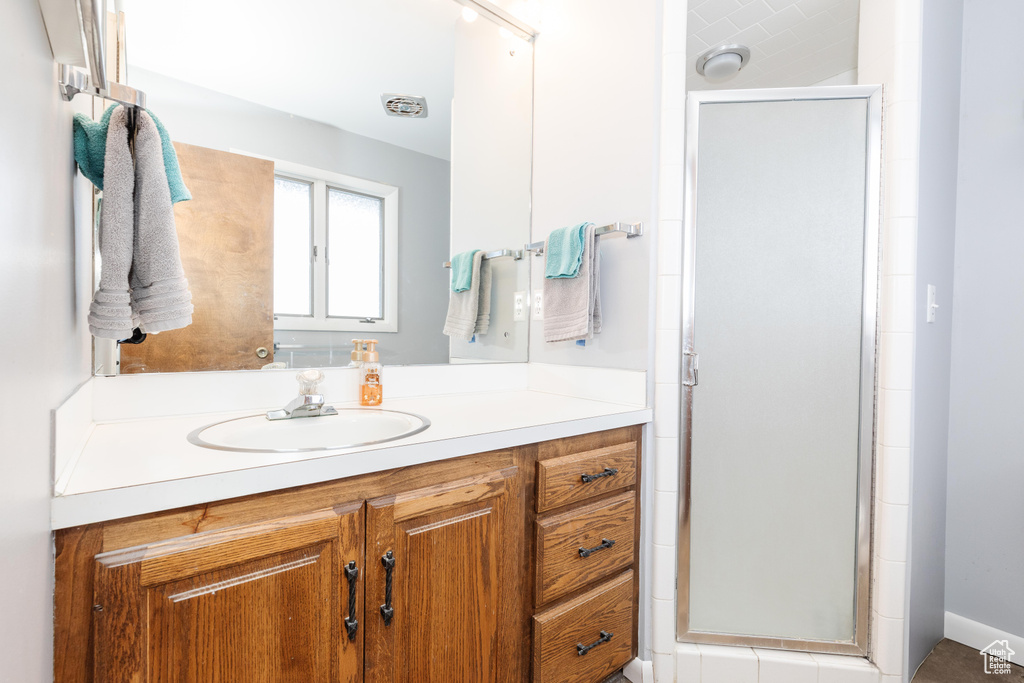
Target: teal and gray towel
(572,305)
(469,306)
(563,253)
(142,283)
(90,139)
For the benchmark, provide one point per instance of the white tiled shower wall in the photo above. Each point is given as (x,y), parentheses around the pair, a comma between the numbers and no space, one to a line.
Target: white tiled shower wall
(889,54)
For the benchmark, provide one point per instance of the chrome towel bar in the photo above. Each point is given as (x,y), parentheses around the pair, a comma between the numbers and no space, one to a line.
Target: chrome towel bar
(629,229)
(516,254)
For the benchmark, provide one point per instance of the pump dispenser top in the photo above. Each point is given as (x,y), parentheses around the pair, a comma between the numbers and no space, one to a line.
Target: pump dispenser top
(357,353)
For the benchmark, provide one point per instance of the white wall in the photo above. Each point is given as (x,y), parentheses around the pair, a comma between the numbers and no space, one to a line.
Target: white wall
(940,119)
(45,344)
(985,520)
(204,117)
(596,106)
(491,174)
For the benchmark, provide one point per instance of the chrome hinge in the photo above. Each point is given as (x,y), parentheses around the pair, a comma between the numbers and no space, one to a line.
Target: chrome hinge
(690,359)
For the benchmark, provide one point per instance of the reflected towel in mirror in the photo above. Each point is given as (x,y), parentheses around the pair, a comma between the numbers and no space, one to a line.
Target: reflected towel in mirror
(469,311)
(462,270)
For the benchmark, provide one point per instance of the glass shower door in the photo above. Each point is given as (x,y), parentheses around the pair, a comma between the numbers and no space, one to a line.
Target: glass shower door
(779,308)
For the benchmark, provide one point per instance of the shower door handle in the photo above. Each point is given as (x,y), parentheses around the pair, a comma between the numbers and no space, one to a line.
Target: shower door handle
(690,359)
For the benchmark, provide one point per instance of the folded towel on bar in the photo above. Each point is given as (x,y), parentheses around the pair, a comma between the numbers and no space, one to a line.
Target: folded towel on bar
(572,306)
(462,270)
(464,306)
(563,253)
(90,140)
(483,311)
(142,283)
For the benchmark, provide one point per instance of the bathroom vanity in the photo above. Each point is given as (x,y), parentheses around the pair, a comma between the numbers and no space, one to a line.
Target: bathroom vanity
(518,564)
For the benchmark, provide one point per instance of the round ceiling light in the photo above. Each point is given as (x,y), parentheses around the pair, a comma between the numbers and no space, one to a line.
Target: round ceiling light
(725,61)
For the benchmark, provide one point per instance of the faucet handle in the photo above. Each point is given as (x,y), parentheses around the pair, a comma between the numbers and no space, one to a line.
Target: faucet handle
(309,381)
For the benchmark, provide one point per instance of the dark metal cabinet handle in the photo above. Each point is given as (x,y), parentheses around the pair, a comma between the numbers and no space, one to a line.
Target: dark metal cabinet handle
(582,649)
(351,623)
(608,472)
(386,610)
(605,543)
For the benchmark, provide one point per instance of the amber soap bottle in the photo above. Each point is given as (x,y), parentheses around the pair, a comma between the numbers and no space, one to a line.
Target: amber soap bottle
(371,391)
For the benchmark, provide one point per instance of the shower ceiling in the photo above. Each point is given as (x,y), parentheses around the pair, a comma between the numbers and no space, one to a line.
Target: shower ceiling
(792,42)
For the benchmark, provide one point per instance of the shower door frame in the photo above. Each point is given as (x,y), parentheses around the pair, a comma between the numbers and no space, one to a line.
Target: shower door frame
(868,376)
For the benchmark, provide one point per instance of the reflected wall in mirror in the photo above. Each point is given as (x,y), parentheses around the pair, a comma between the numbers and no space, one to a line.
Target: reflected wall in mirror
(319,216)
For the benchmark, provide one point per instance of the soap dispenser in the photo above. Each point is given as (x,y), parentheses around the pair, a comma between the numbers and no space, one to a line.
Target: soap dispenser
(357,354)
(370,389)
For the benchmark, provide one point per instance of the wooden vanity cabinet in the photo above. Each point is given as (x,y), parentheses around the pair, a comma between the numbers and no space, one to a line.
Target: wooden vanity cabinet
(455,557)
(416,575)
(262,602)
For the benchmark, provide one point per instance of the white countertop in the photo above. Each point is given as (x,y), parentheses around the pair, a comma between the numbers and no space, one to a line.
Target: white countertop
(132,467)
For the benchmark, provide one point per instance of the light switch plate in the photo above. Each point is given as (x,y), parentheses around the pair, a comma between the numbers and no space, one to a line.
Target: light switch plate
(519,306)
(538,304)
(930,305)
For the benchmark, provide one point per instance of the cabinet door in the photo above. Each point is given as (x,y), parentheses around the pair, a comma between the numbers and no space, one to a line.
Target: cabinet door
(264,603)
(454,578)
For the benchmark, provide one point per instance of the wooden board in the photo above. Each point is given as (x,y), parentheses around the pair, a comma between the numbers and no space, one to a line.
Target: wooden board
(456,583)
(226,234)
(262,604)
(557,632)
(561,568)
(560,481)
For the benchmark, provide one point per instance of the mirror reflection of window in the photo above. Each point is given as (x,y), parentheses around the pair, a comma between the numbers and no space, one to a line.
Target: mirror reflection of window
(293,247)
(355,255)
(335,251)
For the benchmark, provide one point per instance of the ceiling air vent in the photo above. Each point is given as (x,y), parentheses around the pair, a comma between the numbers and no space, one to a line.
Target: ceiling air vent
(406,106)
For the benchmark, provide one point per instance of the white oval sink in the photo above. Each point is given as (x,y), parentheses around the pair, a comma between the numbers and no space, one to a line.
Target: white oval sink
(350,428)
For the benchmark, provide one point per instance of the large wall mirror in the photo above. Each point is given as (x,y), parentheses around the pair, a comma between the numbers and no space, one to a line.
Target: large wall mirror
(338,153)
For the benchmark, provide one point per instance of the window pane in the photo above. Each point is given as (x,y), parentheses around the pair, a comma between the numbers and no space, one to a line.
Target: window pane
(355,255)
(293,236)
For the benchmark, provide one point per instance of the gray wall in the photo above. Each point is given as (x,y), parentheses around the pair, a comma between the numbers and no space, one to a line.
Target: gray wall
(940,121)
(985,505)
(204,117)
(44,344)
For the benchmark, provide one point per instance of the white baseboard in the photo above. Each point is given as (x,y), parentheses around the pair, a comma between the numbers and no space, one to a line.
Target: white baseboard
(978,635)
(639,671)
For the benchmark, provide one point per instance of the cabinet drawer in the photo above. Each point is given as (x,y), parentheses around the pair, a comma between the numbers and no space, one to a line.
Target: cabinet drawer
(601,618)
(583,545)
(573,478)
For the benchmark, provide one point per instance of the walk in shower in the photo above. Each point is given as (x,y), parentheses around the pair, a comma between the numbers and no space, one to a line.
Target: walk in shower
(780,300)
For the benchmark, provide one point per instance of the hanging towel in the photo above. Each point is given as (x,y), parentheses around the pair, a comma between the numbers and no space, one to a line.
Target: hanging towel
(483,311)
(160,294)
(141,280)
(90,140)
(462,270)
(563,253)
(111,315)
(464,306)
(573,305)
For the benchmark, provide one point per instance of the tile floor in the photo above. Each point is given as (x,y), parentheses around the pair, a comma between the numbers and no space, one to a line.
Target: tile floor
(951,662)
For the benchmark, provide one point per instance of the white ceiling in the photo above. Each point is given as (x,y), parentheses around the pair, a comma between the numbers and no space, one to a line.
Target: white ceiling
(792,42)
(326,60)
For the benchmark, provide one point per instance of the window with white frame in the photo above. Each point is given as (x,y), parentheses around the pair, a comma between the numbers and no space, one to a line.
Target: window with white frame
(335,251)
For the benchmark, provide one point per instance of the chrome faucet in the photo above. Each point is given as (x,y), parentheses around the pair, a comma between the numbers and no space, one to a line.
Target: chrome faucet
(309,402)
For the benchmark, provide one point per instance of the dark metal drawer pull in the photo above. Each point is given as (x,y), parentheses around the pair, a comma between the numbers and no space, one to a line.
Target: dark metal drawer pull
(351,624)
(386,610)
(608,472)
(582,649)
(605,543)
